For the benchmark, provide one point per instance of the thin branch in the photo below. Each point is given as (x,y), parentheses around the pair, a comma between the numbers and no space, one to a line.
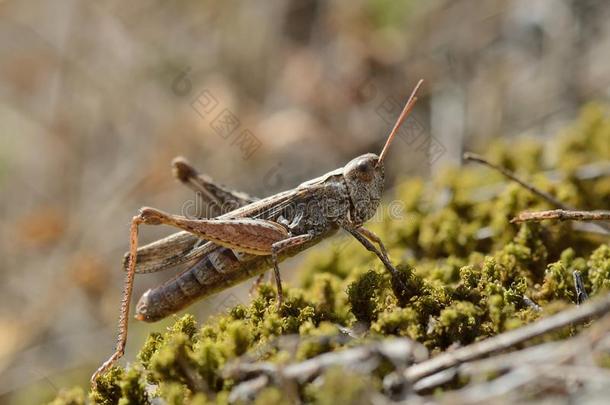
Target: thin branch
(562,215)
(533,189)
(574,316)
(364,358)
(576,351)
(510,175)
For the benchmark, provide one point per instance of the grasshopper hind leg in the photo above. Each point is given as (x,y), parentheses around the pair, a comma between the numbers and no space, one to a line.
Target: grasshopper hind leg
(127,291)
(214,199)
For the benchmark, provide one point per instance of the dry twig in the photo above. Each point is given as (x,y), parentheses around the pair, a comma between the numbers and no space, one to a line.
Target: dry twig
(510,175)
(364,358)
(574,316)
(562,215)
(535,190)
(551,366)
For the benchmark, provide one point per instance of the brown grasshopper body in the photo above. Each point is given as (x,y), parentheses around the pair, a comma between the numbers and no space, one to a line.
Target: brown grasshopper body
(244,242)
(222,267)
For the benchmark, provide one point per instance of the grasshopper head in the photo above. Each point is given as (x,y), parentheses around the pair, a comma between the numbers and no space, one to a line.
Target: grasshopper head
(364,178)
(364,175)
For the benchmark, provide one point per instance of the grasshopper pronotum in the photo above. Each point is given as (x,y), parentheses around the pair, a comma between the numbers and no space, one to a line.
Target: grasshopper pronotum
(244,242)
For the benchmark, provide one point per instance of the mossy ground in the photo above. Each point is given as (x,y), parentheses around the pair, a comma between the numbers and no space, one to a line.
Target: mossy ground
(467,269)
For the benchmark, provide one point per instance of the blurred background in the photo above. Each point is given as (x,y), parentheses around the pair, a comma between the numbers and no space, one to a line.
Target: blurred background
(97,97)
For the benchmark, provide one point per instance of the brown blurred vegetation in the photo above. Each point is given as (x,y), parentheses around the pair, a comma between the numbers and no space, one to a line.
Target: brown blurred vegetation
(96,100)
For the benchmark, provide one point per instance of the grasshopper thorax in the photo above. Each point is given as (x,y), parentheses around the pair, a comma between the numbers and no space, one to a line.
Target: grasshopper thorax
(364,179)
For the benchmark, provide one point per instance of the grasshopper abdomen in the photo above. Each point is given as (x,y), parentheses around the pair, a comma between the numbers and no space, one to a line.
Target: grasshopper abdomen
(217,271)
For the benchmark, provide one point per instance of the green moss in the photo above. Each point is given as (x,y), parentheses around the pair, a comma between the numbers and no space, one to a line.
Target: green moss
(316,340)
(73,396)
(186,325)
(239,338)
(341,387)
(323,294)
(272,396)
(400,322)
(108,389)
(443,234)
(410,286)
(152,344)
(166,364)
(557,284)
(209,357)
(465,272)
(458,323)
(599,269)
(363,296)
(132,388)
(173,393)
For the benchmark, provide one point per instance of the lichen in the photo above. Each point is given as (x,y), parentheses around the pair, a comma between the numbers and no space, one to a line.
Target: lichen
(466,273)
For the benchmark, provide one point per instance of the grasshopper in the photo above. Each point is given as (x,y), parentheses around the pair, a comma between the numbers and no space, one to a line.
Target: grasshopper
(250,236)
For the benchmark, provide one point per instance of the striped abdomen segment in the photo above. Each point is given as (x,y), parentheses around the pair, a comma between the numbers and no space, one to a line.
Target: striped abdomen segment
(219,270)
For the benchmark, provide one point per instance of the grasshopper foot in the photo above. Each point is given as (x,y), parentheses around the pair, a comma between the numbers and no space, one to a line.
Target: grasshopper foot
(105,367)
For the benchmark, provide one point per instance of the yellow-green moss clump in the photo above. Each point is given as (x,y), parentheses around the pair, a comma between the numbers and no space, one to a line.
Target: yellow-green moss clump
(468,274)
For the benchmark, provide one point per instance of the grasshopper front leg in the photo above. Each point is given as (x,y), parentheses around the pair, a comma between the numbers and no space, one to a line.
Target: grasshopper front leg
(364,236)
(373,237)
(282,245)
(276,249)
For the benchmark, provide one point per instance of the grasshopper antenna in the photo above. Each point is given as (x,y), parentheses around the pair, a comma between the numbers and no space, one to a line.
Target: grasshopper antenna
(403,116)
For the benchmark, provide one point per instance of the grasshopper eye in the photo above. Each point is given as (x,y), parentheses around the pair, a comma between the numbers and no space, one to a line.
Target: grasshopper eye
(365,169)
(364,166)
